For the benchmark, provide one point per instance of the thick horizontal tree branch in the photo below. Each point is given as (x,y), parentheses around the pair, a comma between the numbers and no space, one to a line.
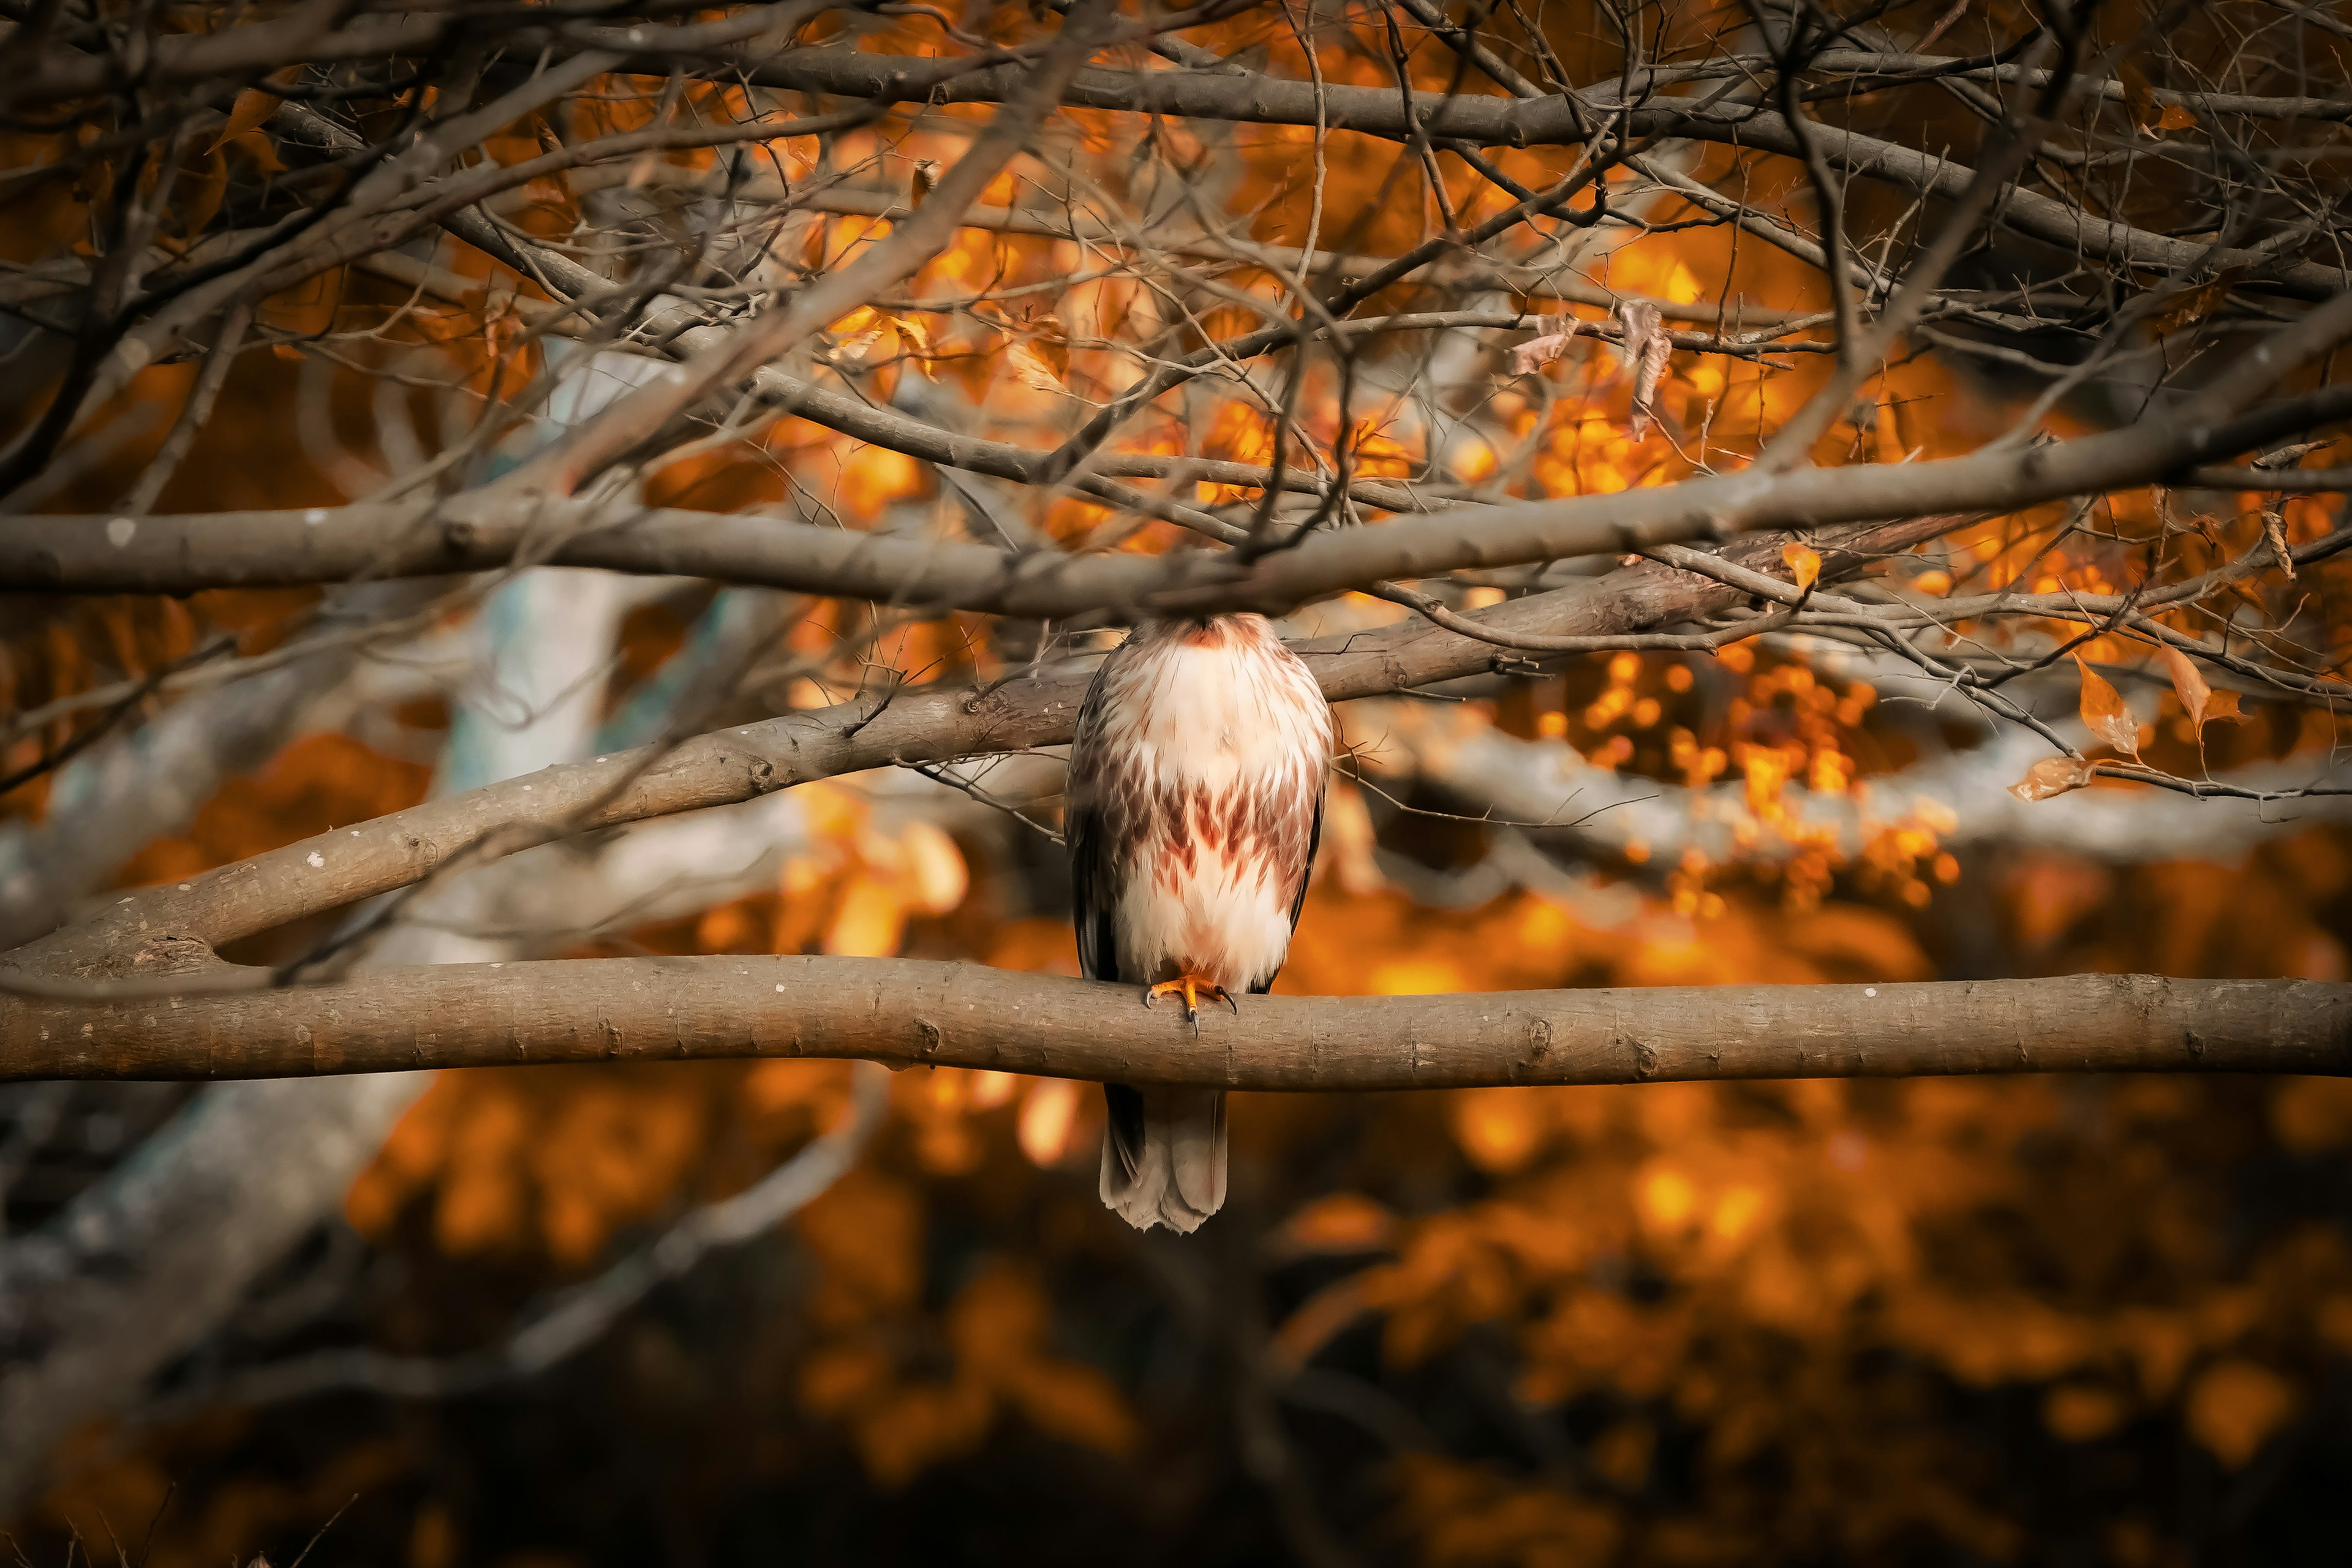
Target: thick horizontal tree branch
(182,554)
(913,1013)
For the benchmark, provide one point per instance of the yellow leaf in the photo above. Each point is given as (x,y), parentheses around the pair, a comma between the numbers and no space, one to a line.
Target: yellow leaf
(917,337)
(2105,713)
(1804,564)
(252,107)
(2052,776)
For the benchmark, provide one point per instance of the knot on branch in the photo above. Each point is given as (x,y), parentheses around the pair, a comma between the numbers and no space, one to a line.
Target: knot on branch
(173,954)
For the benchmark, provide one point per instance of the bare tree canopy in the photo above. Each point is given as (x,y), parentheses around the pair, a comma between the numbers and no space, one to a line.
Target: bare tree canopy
(577,534)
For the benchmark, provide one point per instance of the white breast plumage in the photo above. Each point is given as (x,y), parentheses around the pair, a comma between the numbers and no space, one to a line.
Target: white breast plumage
(1195,801)
(1198,774)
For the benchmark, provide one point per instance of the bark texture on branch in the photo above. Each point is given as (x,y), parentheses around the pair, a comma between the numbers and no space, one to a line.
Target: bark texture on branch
(914,1013)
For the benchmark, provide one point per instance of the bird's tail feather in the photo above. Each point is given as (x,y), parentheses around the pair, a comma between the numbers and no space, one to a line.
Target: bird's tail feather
(1164,1155)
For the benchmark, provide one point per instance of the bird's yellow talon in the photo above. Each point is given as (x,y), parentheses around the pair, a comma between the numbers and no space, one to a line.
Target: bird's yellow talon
(1192,988)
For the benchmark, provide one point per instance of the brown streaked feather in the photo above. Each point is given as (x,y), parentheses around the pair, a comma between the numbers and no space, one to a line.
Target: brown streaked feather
(1195,807)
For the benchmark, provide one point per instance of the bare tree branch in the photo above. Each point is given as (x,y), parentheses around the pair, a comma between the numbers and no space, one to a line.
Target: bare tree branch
(912,1012)
(255,548)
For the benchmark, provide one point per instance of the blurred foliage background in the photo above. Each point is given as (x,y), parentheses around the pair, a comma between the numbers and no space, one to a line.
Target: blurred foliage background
(2038,1321)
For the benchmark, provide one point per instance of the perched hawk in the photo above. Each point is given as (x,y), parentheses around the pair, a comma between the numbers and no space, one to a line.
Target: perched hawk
(1195,802)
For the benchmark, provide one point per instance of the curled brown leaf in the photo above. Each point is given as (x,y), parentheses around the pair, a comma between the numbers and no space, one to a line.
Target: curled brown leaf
(2052,776)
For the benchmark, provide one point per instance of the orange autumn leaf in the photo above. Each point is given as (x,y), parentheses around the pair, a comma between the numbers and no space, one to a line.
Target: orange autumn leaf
(1032,369)
(2139,98)
(2105,713)
(916,340)
(2052,776)
(259,150)
(204,198)
(2198,700)
(1804,564)
(2187,684)
(252,107)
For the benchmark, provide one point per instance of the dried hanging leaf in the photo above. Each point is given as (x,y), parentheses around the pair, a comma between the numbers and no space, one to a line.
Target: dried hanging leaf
(2187,684)
(252,107)
(1032,369)
(922,179)
(2199,302)
(858,347)
(917,337)
(2105,713)
(1645,350)
(2052,776)
(2202,704)
(917,341)
(2274,529)
(1804,564)
(1528,357)
(1051,343)
(2139,97)
(2222,708)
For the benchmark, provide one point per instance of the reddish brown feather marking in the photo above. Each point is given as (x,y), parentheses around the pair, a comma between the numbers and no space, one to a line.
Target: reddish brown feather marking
(1159,824)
